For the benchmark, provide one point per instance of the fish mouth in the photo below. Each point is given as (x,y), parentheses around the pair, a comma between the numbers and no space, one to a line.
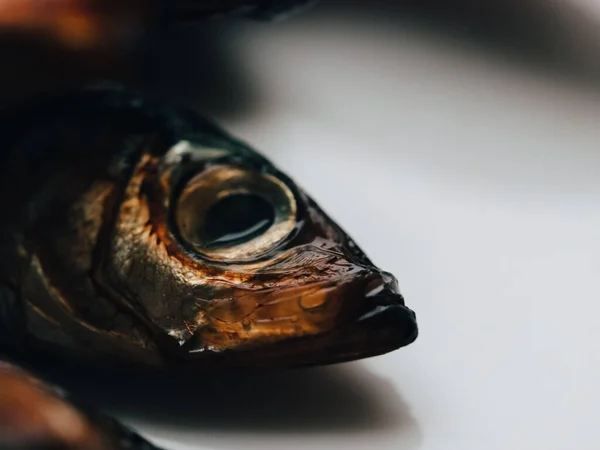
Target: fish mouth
(381,324)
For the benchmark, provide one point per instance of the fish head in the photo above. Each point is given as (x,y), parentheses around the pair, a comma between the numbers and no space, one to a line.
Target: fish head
(227,260)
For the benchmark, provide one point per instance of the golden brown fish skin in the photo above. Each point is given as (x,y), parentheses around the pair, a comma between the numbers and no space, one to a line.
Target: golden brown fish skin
(65,195)
(101,269)
(34,415)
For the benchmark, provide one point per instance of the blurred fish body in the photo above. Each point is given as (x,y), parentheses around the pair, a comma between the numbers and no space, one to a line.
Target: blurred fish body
(35,416)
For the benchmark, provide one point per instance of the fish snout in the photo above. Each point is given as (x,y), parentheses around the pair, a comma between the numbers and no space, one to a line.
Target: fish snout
(383,310)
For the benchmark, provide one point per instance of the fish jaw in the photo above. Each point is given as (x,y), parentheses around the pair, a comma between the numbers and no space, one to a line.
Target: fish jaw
(362,318)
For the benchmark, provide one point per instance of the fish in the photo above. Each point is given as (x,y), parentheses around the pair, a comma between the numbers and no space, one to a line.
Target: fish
(90,23)
(76,41)
(141,233)
(36,416)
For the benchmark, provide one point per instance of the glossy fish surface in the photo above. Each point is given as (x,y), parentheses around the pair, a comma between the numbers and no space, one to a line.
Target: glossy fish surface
(141,233)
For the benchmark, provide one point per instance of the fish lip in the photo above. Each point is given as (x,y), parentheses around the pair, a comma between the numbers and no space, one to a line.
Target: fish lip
(385,325)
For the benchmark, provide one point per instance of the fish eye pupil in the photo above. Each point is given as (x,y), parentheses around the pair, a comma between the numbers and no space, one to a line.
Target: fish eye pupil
(237,218)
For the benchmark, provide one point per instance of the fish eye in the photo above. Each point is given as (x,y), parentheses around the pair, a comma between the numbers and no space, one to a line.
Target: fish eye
(237,218)
(228,213)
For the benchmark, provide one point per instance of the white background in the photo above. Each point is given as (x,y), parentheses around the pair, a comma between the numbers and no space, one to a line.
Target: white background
(473,176)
